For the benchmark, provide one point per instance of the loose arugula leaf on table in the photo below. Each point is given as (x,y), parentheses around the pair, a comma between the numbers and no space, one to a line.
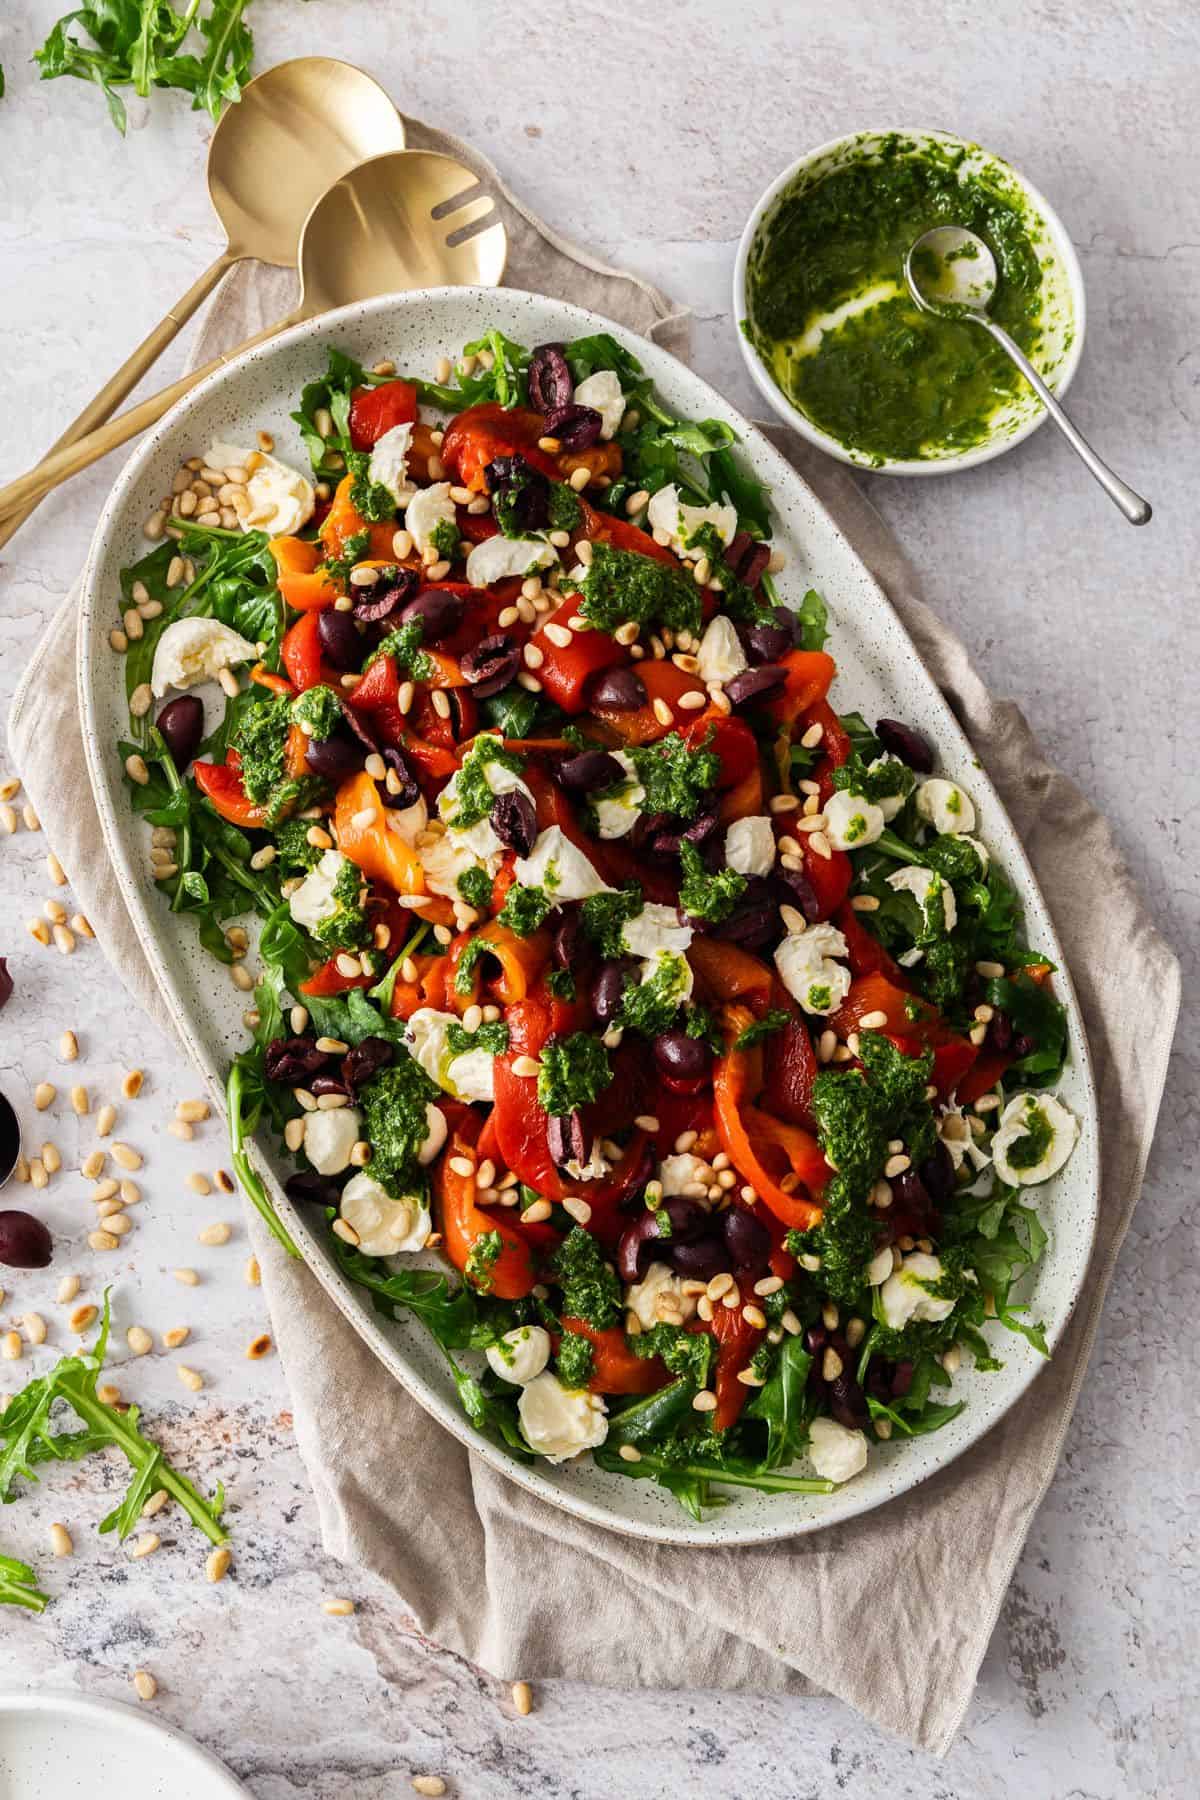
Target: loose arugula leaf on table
(27,1438)
(18,1582)
(140,44)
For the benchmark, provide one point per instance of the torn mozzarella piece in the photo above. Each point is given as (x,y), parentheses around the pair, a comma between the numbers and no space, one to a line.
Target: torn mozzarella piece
(443,861)
(681,1171)
(945,806)
(520,1355)
(924,885)
(388,466)
(851,821)
(469,1075)
(720,655)
(558,1422)
(313,901)
(890,804)
(385,1227)
(1035,1136)
(680,522)
(192,650)
(658,1283)
(602,392)
(429,508)
(329,1137)
(808,969)
(905,1297)
(620,811)
(282,500)
(500,558)
(835,1451)
(558,866)
(750,845)
(655,929)
(480,838)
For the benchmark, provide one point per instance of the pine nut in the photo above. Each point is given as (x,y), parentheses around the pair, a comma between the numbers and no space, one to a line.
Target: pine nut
(43,1095)
(37,928)
(144,1684)
(126,1157)
(259,1347)
(68,1287)
(10,1347)
(338,1609)
(704,1401)
(35,1327)
(217,1233)
(106,1118)
(190,1379)
(199,1184)
(68,1046)
(522,1693)
(187,1277)
(145,1545)
(139,1340)
(181,1129)
(216,1566)
(83,1318)
(51,1160)
(177,1335)
(429,1784)
(60,1540)
(154,1505)
(131,1087)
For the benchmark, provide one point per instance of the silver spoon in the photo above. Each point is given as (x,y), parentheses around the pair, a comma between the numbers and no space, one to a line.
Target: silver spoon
(952,273)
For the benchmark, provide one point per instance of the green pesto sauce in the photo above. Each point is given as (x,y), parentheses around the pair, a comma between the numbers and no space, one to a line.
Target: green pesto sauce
(890,381)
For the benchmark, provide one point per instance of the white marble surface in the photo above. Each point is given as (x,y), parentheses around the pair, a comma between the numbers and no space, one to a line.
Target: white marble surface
(649,133)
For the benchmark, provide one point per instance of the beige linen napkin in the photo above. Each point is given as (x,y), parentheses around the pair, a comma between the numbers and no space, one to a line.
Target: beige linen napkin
(891,1612)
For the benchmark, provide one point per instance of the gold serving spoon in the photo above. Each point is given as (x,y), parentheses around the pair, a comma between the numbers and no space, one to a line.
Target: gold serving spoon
(410,219)
(296,128)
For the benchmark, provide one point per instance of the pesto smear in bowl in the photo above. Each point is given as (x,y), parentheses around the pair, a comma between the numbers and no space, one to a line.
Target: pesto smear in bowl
(831,319)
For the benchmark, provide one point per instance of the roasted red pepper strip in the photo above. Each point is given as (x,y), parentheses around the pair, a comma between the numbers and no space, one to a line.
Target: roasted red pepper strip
(462,1222)
(615,1368)
(301,651)
(566,670)
(791,1069)
(605,528)
(864,952)
(221,784)
(736,1344)
(482,433)
(520,1122)
(748,1135)
(809,674)
(375,411)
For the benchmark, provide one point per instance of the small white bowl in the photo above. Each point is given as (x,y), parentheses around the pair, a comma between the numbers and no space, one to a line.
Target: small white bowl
(1064,312)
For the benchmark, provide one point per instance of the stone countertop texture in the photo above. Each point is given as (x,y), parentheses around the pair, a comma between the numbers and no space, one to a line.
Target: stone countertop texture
(648,133)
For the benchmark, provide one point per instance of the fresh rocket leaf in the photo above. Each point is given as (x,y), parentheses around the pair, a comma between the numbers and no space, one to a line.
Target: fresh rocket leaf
(141,44)
(18,1582)
(27,1438)
(784,1406)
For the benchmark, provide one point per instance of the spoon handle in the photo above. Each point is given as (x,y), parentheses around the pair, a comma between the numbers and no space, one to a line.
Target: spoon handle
(106,402)
(1135,509)
(60,465)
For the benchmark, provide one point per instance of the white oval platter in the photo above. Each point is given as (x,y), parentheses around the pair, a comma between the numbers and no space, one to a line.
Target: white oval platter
(880,674)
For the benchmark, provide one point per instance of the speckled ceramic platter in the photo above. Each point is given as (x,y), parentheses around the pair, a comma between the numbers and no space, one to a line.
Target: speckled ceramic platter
(880,673)
(63,1747)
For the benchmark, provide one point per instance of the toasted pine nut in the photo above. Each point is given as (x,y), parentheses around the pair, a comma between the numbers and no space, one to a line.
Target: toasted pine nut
(177,1335)
(522,1693)
(131,1087)
(338,1609)
(144,1684)
(189,1378)
(68,1046)
(217,1566)
(60,1540)
(253,1273)
(145,1545)
(139,1340)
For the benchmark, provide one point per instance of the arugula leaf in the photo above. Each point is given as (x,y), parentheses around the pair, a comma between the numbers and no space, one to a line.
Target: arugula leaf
(602,351)
(814,621)
(784,1405)
(18,1582)
(773,1021)
(244,1107)
(139,44)
(26,1438)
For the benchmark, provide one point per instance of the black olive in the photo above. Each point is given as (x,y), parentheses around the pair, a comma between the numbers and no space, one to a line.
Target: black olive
(181,723)
(332,758)
(340,640)
(686,1058)
(549,378)
(910,745)
(620,690)
(590,770)
(24,1241)
(439,612)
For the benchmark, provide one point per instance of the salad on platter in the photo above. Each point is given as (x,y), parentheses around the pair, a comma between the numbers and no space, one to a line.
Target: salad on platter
(655,1029)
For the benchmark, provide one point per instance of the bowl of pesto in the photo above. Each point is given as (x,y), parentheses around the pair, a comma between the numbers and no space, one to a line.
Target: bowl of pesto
(837,344)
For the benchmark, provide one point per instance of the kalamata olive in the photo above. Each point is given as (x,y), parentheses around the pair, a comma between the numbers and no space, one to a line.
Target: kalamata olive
(686,1058)
(24,1241)
(514,821)
(608,989)
(620,690)
(340,640)
(327,1084)
(492,664)
(814,1339)
(795,889)
(999,1031)
(1022,1045)
(549,378)
(438,612)
(10,1140)
(747,1241)
(590,770)
(846,1402)
(666,843)
(408,792)
(365,1059)
(374,605)
(6,982)
(753,685)
(910,1192)
(181,723)
(565,1138)
(576,427)
(910,745)
(754,921)
(936,1174)
(738,547)
(754,565)
(308,1186)
(698,1260)
(522,490)
(294,1060)
(638,1246)
(766,643)
(568,940)
(332,758)
(688,1219)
